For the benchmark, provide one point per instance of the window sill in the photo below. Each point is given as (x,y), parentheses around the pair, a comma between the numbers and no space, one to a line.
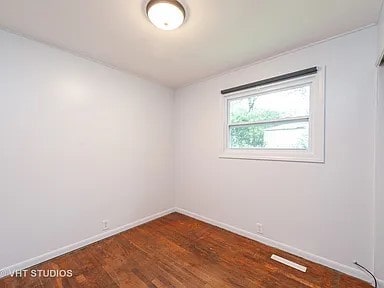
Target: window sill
(265,155)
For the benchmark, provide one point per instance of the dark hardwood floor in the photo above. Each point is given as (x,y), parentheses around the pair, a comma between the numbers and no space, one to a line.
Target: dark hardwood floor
(178,251)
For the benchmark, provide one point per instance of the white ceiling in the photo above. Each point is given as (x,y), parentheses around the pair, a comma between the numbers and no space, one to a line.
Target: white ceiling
(218,35)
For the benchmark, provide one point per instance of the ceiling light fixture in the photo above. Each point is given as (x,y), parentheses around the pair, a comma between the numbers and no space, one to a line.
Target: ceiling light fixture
(166,14)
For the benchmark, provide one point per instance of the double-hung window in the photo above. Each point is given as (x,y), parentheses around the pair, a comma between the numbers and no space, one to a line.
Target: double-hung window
(281,118)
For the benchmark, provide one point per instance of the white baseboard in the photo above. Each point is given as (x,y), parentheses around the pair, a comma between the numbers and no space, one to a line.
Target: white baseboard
(58,252)
(381,283)
(308,256)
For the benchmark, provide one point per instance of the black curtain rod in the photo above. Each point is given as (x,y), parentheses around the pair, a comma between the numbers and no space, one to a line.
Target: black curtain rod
(279,78)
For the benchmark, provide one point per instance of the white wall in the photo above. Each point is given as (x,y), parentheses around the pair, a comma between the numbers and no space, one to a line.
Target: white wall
(379,183)
(324,209)
(379,155)
(380,33)
(79,143)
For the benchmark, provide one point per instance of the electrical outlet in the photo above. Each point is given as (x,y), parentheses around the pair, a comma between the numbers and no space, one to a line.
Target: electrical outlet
(105,225)
(259,228)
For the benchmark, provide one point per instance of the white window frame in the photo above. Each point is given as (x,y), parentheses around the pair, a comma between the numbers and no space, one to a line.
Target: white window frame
(315,151)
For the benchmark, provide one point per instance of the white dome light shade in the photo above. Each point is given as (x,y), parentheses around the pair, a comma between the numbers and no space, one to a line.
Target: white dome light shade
(166,15)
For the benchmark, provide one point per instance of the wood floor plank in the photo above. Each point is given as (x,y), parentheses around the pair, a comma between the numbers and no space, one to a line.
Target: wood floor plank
(181,252)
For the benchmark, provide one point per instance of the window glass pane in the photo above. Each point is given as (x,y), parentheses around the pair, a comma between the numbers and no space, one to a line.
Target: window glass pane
(277,135)
(292,102)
